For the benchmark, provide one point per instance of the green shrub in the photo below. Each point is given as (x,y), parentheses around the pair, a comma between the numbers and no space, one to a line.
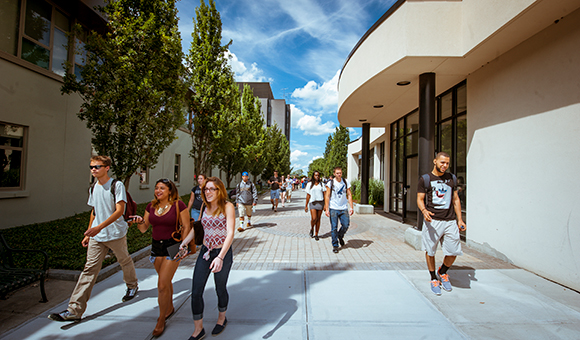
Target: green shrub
(61,239)
(376,191)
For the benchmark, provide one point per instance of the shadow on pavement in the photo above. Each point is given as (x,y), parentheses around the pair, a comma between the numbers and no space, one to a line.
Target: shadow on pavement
(357,244)
(461,276)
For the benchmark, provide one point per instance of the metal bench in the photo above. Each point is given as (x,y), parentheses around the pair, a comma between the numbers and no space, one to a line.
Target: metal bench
(12,277)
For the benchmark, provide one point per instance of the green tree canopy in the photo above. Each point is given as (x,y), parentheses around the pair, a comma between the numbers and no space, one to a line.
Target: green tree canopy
(210,78)
(131,83)
(337,156)
(253,132)
(276,152)
(317,165)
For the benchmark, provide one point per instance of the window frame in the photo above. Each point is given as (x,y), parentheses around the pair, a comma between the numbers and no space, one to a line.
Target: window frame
(24,150)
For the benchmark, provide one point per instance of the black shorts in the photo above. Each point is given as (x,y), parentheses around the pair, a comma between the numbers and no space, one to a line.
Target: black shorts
(159,247)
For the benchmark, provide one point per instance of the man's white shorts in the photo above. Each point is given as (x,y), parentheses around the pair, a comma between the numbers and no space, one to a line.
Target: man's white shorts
(244,210)
(446,232)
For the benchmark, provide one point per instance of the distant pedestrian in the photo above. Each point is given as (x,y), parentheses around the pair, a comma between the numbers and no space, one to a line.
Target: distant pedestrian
(275,183)
(260,184)
(107,230)
(438,201)
(283,190)
(289,185)
(218,221)
(338,206)
(315,203)
(246,199)
(195,200)
(161,215)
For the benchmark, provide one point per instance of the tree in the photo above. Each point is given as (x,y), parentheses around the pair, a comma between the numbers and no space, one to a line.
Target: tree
(276,152)
(254,133)
(317,165)
(326,168)
(211,79)
(131,83)
(339,150)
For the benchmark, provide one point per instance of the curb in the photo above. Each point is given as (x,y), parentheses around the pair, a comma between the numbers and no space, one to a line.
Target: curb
(73,275)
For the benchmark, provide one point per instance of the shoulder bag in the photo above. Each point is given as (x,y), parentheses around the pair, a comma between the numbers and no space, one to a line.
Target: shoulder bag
(178,233)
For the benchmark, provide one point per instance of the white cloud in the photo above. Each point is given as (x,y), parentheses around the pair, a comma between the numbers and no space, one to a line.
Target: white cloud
(353,133)
(242,73)
(297,154)
(314,158)
(323,97)
(312,125)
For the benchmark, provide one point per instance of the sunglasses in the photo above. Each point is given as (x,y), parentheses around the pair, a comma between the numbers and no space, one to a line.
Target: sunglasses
(96,166)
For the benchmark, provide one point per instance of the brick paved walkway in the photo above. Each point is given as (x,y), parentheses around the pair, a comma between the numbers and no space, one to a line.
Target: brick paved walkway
(280,241)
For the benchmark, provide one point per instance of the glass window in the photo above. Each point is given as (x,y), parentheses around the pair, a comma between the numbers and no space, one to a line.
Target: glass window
(413,122)
(12,148)
(35,53)
(446,105)
(176,171)
(461,99)
(59,52)
(9,24)
(447,137)
(37,22)
(144,176)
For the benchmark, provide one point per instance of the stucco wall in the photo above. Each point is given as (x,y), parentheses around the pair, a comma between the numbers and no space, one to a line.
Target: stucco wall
(523,159)
(58,151)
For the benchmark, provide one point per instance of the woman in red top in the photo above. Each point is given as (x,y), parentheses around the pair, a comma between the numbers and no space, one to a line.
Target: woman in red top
(161,214)
(215,256)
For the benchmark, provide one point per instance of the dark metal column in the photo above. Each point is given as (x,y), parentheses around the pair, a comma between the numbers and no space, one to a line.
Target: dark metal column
(364,176)
(426,128)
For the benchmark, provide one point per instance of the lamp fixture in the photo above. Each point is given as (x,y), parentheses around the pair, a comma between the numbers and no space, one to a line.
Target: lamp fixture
(403,83)
(362,120)
(378,106)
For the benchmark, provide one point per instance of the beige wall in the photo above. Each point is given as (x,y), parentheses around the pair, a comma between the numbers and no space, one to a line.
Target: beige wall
(523,160)
(58,150)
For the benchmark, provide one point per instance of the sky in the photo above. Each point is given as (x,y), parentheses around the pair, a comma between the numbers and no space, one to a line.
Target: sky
(299,47)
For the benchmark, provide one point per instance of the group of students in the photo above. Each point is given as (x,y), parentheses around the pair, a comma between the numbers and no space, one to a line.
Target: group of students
(108,229)
(437,199)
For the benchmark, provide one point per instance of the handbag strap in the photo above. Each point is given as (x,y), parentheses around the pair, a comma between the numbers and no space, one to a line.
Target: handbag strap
(177,218)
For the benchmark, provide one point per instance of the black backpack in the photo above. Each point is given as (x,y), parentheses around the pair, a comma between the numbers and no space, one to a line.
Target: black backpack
(130,206)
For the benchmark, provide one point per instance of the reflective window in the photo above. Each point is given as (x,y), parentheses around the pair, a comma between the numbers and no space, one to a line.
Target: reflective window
(12,153)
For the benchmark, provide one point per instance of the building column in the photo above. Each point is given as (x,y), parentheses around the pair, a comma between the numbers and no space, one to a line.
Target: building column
(426,128)
(364,176)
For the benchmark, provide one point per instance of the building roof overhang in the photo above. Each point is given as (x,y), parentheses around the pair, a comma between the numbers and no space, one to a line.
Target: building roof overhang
(451,38)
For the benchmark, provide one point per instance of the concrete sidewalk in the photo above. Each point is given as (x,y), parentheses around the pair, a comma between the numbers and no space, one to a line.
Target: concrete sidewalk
(285,285)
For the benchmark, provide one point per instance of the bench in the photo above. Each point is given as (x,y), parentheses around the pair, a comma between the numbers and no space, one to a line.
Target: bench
(12,277)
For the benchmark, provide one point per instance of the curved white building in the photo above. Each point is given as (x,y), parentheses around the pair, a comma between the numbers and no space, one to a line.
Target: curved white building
(496,84)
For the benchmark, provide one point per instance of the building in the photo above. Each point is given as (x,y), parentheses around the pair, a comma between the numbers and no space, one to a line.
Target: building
(274,111)
(497,85)
(44,147)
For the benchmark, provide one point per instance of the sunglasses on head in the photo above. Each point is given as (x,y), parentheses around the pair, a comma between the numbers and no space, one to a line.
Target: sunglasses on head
(96,166)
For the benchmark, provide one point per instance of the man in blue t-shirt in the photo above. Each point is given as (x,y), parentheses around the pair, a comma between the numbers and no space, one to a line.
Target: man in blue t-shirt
(338,206)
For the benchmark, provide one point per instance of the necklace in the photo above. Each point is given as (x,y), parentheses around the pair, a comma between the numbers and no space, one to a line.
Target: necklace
(160,211)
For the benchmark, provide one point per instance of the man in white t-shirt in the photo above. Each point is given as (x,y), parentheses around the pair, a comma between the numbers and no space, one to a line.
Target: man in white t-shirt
(107,230)
(338,206)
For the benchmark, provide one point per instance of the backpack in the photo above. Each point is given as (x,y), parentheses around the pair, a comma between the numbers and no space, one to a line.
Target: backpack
(237,190)
(130,206)
(427,181)
(332,185)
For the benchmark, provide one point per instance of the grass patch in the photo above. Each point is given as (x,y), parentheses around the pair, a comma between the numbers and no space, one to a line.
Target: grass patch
(61,239)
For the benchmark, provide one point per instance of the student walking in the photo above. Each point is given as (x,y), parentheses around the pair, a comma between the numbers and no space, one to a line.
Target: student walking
(338,206)
(246,199)
(161,214)
(283,190)
(195,200)
(289,184)
(274,183)
(438,201)
(315,195)
(218,220)
(107,230)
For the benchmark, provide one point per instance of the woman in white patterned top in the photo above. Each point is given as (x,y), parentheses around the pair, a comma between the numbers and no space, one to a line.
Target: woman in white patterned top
(218,220)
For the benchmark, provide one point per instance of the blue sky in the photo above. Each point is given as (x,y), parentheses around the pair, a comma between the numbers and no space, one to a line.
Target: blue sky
(299,46)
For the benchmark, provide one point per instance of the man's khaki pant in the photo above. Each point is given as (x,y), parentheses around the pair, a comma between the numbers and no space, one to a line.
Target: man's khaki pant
(96,253)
